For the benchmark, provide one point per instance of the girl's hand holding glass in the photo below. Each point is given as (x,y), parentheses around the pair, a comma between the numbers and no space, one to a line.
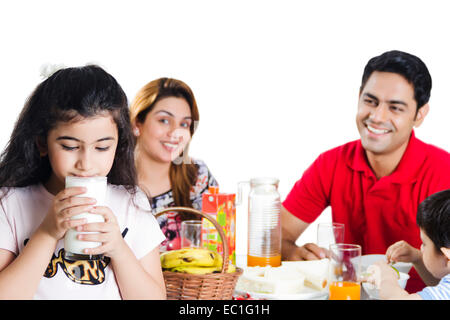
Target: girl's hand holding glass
(108,233)
(65,205)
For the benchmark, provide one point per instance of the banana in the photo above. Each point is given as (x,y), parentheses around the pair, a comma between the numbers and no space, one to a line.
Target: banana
(202,270)
(218,264)
(198,257)
(194,261)
(218,260)
(194,270)
(231,268)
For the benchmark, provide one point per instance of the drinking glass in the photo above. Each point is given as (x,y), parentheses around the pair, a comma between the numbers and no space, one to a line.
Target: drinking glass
(97,189)
(191,234)
(345,264)
(329,233)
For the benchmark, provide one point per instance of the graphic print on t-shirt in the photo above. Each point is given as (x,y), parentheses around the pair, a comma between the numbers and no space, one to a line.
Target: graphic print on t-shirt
(90,272)
(80,271)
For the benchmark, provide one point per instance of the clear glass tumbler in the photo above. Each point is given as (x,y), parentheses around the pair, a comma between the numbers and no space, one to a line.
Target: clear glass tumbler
(191,234)
(344,272)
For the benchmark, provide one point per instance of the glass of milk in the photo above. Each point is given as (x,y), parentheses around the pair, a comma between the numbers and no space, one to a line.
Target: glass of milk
(96,188)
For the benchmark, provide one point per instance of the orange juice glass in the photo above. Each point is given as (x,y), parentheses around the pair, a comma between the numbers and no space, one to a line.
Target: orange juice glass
(345,261)
(253,261)
(345,290)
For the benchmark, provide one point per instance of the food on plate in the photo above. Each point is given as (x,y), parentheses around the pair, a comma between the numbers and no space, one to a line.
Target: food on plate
(315,272)
(398,273)
(193,261)
(274,280)
(290,278)
(369,259)
(245,296)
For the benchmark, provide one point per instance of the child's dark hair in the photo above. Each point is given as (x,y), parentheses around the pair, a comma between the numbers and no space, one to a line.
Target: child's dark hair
(433,217)
(70,94)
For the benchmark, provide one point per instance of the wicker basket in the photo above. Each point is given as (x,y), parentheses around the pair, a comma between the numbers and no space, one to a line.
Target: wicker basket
(211,286)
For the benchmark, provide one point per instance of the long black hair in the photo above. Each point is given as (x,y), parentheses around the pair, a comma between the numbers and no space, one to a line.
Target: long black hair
(67,95)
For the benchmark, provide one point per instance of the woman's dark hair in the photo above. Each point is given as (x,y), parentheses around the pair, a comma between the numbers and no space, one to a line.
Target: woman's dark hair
(407,65)
(69,94)
(433,217)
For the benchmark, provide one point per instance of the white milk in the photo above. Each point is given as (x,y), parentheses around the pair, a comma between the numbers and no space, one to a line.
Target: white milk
(96,188)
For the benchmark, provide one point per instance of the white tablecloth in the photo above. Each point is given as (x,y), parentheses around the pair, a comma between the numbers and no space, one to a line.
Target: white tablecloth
(241,261)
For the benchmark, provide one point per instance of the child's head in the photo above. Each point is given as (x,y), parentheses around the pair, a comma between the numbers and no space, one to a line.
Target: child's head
(433,218)
(76,122)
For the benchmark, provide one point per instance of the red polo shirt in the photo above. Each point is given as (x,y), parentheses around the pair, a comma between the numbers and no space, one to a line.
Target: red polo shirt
(376,213)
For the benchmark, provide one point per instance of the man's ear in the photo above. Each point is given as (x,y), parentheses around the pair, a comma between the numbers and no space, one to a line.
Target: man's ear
(421,114)
(42,146)
(446,252)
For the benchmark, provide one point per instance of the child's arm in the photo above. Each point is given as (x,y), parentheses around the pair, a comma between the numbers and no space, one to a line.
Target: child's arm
(139,279)
(20,276)
(403,252)
(388,284)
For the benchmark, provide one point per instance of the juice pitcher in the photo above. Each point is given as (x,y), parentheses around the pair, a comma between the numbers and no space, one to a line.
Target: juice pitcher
(264,222)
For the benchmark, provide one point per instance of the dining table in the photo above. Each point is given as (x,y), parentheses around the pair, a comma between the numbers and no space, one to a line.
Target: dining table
(241,262)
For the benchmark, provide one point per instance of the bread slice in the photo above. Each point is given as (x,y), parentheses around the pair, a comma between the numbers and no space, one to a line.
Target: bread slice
(315,272)
(279,280)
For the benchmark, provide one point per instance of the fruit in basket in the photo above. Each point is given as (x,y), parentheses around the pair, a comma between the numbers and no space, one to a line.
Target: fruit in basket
(202,270)
(231,268)
(194,270)
(197,257)
(193,261)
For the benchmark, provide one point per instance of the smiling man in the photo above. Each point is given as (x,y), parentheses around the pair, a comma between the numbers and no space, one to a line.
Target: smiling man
(374,185)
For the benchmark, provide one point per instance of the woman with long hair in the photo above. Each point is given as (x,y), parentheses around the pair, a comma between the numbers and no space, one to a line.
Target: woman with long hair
(164,116)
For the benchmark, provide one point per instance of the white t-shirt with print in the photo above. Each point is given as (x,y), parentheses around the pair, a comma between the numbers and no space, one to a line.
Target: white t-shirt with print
(24,209)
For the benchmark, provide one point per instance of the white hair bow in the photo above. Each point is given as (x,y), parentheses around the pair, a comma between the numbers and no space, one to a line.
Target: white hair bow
(48,69)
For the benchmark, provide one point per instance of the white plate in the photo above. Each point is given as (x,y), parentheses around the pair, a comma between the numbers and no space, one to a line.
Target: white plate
(371,291)
(369,259)
(307,294)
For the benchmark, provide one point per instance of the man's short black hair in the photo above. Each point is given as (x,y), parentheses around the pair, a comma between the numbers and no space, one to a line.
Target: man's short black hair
(407,65)
(433,217)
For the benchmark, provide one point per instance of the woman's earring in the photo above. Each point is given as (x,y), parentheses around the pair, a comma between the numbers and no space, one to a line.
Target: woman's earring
(136,132)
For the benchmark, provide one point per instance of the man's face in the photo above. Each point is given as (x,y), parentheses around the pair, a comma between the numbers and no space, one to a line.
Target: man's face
(387,113)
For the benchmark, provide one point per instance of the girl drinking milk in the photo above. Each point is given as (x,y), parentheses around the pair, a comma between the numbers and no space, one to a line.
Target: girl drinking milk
(75,123)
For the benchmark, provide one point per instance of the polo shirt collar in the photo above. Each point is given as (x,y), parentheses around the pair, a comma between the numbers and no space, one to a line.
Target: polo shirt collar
(359,160)
(406,170)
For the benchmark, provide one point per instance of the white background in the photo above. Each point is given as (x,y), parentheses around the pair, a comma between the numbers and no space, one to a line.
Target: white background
(276,81)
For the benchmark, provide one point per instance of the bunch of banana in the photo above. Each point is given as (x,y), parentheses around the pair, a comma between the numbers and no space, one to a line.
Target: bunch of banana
(193,260)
